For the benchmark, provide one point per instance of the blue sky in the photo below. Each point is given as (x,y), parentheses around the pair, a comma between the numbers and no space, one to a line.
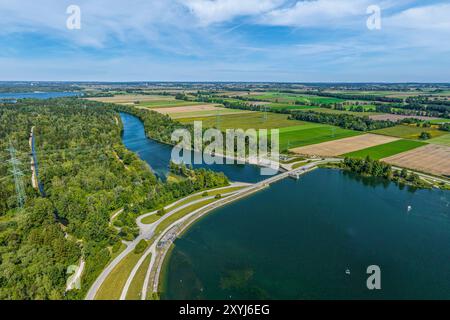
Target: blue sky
(225,40)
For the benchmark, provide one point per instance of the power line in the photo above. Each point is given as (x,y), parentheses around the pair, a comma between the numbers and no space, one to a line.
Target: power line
(18,176)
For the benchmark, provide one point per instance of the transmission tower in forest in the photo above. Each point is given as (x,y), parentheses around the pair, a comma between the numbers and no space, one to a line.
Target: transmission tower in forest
(18,175)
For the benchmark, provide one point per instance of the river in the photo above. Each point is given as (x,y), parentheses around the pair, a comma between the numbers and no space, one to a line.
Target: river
(158,155)
(308,239)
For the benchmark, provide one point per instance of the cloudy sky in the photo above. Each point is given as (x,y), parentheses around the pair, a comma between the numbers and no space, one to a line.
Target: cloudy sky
(225,40)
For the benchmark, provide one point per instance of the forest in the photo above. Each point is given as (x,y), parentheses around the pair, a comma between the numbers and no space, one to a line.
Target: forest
(87,175)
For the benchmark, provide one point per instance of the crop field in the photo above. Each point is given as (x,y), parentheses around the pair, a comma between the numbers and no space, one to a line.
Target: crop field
(386,150)
(205,113)
(345,145)
(248,120)
(444,140)
(168,103)
(408,132)
(285,97)
(432,158)
(189,108)
(310,134)
(131,98)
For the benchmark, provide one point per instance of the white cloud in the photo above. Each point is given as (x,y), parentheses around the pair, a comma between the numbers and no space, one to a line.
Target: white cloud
(215,11)
(433,17)
(317,13)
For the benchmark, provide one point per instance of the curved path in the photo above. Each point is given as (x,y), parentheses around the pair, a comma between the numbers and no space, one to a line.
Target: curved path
(146,232)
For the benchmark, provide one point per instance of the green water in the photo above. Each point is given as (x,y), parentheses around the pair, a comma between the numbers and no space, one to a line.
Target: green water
(297,239)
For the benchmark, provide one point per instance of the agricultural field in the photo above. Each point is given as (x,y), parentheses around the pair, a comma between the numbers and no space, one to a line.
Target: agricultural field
(443,140)
(292,98)
(311,133)
(167,103)
(132,98)
(408,131)
(211,113)
(344,145)
(432,158)
(386,150)
(247,120)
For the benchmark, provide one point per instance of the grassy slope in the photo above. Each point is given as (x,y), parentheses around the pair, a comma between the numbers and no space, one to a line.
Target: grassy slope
(135,289)
(111,288)
(386,150)
(178,215)
(153,218)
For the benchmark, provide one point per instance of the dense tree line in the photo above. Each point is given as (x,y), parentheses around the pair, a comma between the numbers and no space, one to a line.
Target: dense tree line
(87,174)
(345,121)
(375,168)
(346,96)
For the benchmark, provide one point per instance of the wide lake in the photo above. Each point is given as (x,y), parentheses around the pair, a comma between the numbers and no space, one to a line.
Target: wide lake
(308,239)
(37,95)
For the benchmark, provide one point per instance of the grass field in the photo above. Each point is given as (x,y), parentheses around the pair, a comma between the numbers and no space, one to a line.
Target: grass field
(408,132)
(333,148)
(250,120)
(443,140)
(441,120)
(311,133)
(135,289)
(111,288)
(386,150)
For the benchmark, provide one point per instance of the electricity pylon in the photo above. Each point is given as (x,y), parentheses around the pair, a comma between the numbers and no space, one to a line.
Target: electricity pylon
(18,176)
